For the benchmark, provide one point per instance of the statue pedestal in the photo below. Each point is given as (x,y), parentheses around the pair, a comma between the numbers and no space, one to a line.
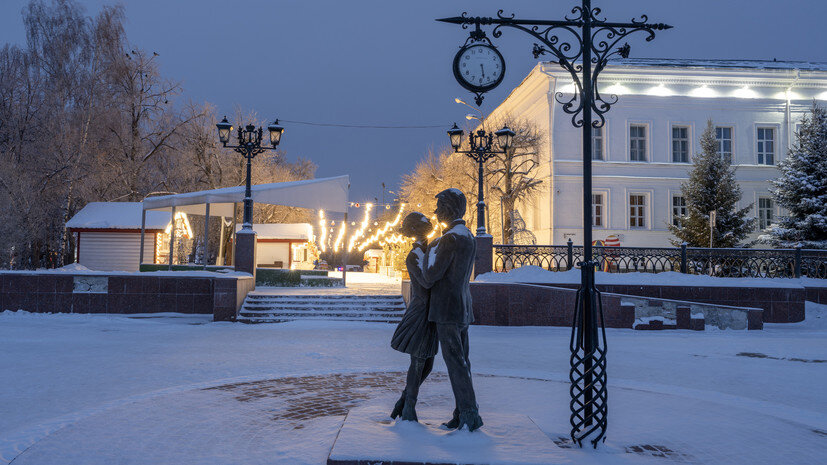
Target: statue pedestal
(369,436)
(245,251)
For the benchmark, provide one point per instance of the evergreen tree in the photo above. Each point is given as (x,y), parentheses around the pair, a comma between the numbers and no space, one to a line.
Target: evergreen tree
(711,186)
(802,187)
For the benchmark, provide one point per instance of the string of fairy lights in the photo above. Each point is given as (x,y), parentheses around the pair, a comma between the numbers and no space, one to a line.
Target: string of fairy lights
(368,232)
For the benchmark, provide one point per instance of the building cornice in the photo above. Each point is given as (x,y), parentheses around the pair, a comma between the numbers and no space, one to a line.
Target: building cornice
(696,76)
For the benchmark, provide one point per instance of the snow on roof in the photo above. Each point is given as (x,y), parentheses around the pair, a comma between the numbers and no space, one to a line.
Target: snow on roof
(116,215)
(301,231)
(706,63)
(319,194)
(709,63)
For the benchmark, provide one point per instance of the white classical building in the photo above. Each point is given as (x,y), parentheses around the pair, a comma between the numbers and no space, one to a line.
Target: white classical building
(644,151)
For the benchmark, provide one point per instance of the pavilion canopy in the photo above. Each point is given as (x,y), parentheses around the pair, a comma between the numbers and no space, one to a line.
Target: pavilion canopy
(330,194)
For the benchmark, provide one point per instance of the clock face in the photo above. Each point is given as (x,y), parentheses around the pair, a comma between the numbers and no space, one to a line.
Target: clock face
(479,67)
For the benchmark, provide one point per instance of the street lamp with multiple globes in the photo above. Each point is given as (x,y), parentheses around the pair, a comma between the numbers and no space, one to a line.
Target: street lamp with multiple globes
(481,148)
(249,145)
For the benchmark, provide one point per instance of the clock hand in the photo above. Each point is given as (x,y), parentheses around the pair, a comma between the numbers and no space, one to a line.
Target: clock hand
(483,70)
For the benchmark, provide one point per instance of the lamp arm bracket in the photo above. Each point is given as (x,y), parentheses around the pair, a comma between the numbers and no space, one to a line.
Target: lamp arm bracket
(563,40)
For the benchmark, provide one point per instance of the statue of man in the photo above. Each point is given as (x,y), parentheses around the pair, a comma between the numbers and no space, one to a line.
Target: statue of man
(447,272)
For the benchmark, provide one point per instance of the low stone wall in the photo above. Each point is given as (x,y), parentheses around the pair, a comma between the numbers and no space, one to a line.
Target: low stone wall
(51,292)
(514,304)
(508,304)
(816,291)
(780,305)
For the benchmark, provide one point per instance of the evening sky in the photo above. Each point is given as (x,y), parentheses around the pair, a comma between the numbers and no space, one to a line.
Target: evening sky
(389,62)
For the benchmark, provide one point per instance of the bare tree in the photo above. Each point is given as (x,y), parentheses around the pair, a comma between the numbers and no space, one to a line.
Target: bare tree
(435,173)
(512,176)
(84,116)
(510,179)
(143,123)
(68,50)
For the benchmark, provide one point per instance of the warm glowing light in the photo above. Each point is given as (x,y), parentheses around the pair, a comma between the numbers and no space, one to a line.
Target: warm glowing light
(745,92)
(340,237)
(182,225)
(386,230)
(323,232)
(438,227)
(616,89)
(703,92)
(358,234)
(660,91)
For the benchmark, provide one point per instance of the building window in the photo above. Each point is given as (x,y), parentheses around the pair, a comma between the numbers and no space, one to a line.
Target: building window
(723,137)
(678,209)
(680,144)
(597,143)
(637,142)
(766,146)
(764,213)
(598,218)
(637,211)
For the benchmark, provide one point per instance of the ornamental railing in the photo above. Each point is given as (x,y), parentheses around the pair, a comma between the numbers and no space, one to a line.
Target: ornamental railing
(732,263)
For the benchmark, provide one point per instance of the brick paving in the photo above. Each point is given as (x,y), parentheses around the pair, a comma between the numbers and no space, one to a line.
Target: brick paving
(294,420)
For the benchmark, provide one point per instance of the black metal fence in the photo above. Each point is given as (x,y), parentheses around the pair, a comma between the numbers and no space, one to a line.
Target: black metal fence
(732,263)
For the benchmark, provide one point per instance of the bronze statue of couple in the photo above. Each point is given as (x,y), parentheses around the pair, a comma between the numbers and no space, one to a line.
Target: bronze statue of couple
(439,310)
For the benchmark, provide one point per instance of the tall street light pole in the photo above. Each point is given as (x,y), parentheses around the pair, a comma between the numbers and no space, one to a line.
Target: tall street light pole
(481,149)
(582,44)
(249,145)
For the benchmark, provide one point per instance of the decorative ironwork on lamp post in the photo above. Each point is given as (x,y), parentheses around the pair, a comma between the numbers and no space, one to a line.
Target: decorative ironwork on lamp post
(582,44)
(249,145)
(481,150)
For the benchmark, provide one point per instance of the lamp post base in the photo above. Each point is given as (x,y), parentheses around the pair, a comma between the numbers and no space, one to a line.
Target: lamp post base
(245,251)
(484,256)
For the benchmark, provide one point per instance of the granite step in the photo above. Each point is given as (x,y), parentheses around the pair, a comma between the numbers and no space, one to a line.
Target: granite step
(334,307)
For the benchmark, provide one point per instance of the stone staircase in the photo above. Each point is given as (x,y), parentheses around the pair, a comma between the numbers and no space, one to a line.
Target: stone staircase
(262,308)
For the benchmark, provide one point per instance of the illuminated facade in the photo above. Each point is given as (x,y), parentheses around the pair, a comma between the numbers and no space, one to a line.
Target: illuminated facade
(644,151)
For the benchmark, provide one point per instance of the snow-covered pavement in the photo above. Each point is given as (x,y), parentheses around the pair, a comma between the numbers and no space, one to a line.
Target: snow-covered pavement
(80,389)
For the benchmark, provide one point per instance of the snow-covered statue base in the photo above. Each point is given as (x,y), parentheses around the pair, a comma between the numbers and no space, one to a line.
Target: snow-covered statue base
(369,436)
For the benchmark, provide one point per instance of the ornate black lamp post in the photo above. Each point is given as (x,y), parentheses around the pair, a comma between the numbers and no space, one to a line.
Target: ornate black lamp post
(249,145)
(481,149)
(582,44)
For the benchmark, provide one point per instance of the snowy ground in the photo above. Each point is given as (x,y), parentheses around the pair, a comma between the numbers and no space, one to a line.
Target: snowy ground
(174,389)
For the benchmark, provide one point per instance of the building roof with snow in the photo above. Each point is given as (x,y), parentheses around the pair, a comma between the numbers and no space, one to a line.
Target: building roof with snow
(117,215)
(297,231)
(707,63)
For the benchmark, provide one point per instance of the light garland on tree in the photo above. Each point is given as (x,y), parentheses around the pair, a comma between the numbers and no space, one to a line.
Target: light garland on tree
(386,235)
(339,237)
(323,232)
(361,231)
(378,235)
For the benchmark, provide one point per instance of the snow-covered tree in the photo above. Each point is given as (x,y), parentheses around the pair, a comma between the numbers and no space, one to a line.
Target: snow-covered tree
(802,187)
(711,186)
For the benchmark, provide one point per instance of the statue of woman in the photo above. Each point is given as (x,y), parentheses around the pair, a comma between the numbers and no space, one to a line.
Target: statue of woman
(415,335)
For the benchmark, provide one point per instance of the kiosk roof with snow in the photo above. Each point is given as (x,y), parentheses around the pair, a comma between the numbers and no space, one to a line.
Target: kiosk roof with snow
(328,194)
(116,215)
